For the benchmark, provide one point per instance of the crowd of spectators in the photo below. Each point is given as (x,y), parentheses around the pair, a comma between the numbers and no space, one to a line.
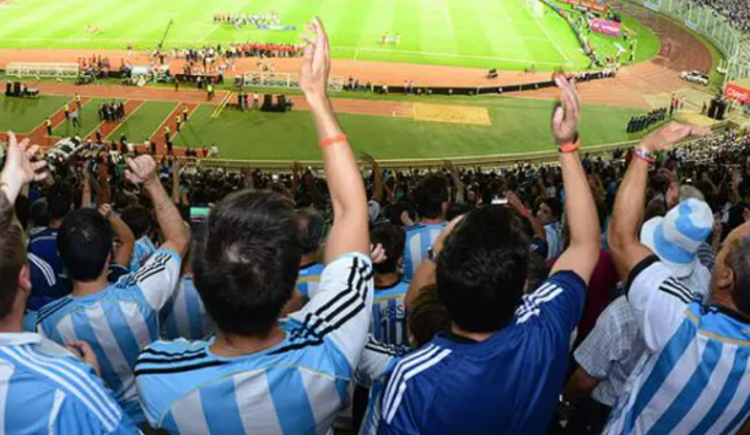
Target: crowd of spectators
(736,11)
(158,296)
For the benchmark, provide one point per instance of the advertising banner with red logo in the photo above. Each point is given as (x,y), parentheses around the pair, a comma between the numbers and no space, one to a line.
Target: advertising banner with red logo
(611,28)
(587,4)
(737,93)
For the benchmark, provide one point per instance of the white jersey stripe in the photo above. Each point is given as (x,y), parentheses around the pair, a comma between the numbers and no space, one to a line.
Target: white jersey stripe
(741,396)
(66,330)
(107,421)
(413,372)
(137,323)
(56,406)
(323,396)
(401,369)
(6,372)
(188,415)
(105,336)
(82,379)
(252,395)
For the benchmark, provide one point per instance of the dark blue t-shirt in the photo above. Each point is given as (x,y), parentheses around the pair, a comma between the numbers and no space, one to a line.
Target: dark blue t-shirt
(49,281)
(507,384)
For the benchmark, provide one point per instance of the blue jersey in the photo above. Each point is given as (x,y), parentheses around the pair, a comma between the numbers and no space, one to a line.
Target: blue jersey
(144,248)
(507,384)
(49,281)
(295,387)
(695,378)
(185,315)
(419,240)
(117,322)
(309,278)
(44,389)
(389,315)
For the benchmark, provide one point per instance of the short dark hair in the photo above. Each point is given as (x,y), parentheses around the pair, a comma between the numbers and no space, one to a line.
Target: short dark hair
(738,259)
(312,228)
(60,202)
(555,205)
(393,240)
(138,219)
(247,263)
(482,270)
(84,242)
(12,256)
(427,316)
(429,196)
(40,216)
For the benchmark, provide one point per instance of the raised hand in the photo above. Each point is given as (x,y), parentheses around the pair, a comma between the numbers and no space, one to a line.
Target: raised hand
(105,210)
(316,63)
(20,167)
(565,117)
(141,170)
(669,135)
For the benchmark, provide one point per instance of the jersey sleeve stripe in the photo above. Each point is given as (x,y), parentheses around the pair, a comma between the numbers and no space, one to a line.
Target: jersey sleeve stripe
(677,286)
(107,419)
(412,361)
(179,369)
(44,314)
(171,360)
(675,294)
(393,408)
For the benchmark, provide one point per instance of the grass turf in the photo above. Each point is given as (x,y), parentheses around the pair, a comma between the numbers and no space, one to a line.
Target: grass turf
(89,119)
(144,121)
(22,114)
(505,34)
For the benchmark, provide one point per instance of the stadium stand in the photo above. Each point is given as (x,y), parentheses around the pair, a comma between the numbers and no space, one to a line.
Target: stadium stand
(182,298)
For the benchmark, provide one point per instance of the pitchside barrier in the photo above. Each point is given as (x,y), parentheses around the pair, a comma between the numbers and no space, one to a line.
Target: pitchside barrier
(266,79)
(30,69)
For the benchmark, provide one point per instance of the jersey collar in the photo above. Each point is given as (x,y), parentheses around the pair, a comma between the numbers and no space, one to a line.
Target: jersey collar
(19,338)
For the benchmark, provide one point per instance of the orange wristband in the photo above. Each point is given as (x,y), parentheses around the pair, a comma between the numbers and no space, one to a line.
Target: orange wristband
(569,147)
(340,138)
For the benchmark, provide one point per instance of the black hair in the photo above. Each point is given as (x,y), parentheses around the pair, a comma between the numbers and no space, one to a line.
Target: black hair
(85,242)
(482,270)
(12,256)
(138,219)
(246,264)
(312,228)
(60,202)
(40,216)
(555,206)
(393,240)
(429,196)
(738,259)
(427,316)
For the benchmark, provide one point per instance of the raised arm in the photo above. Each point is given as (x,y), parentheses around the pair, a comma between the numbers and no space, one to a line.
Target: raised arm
(459,190)
(349,232)
(176,181)
(630,203)
(582,255)
(142,170)
(123,234)
(378,187)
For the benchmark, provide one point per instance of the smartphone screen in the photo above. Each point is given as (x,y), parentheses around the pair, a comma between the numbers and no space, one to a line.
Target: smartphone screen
(199,214)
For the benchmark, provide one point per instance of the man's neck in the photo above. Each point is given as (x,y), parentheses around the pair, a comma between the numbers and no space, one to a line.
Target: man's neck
(476,336)
(232,346)
(13,324)
(89,288)
(55,224)
(385,280)
(433,221)
(307,259)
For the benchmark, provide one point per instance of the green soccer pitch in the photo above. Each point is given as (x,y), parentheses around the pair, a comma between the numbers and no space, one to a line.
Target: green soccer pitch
(504,34)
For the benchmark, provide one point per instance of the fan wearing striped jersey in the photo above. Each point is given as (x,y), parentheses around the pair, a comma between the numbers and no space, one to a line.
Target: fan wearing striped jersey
(695,377)
(388,308)
(432,201)
(117,320)
(44,388)
(263,374)
(500,368)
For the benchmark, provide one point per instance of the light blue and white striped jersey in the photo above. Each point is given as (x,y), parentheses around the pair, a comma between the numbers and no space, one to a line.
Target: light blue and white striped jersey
(185,315)
(376,365)
(695,378)
(419,240)
(144,249)
(554,237)
(389,315)
(309,278)
(118,322)
(44,389)
(295,387)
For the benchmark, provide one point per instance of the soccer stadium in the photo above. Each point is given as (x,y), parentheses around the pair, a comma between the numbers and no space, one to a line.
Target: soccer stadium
(339,217)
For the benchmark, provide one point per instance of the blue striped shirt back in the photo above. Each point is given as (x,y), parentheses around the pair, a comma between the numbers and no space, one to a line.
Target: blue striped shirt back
(389,315)
(294,387)
(185,315)
(695,378)
(144,249)
(44,389)
(309,279)
(419,240)
(118,322)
